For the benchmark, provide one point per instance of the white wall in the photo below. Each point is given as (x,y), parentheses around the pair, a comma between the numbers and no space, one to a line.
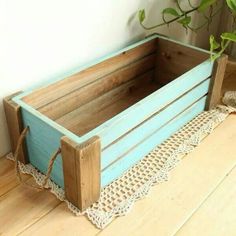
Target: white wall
(41,39)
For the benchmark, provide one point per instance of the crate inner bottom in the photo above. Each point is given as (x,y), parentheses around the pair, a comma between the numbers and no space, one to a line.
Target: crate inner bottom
(89,116)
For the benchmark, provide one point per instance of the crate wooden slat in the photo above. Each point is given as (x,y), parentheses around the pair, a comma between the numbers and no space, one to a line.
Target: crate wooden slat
(128,119)
(153,124)
(113,171)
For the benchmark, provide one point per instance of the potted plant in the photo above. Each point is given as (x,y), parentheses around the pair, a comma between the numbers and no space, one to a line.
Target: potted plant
(208,9)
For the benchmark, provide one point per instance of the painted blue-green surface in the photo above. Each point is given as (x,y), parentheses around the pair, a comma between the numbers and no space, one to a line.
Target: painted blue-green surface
(120,166)
(150,126)
(134,115)
(42,141)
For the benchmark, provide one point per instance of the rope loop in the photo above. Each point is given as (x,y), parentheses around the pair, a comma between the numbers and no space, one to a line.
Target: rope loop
(50,166)
(17,162)
(17,152)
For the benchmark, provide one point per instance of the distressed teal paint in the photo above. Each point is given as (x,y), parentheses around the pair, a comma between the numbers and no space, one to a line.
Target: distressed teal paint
(120,166)
(42,141)
(123,145)
(48,121)
(134,115)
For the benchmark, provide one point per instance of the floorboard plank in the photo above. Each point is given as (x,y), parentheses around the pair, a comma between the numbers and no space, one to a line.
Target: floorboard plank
(23,206)
(216,217)
(170,204)
(62,222)
(8,176)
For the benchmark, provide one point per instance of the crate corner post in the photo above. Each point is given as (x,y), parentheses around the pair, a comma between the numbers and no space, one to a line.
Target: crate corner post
(15,125)
(219,68)
(82,171)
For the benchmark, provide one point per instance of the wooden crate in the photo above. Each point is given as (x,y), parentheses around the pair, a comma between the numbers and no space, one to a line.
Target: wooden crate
(107,116)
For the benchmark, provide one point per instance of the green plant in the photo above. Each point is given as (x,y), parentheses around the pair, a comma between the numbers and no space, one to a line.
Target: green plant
(209,9)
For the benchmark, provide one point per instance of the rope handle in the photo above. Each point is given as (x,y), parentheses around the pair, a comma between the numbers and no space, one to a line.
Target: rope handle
(17,152)
(50,166)
(17,162)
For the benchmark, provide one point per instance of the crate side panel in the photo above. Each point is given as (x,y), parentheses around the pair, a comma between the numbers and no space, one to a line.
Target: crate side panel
(119,167)
(174,59)
(120,124)
(150,126)
(68,85)
(42,141)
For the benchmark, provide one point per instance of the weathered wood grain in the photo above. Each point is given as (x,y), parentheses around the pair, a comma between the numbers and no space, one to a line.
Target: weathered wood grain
(15,126)
(120,124)
(214,97)
(229,83)
(82,171)
(63,87)
(96,112)
(68,149)
(98,87)
(174,59)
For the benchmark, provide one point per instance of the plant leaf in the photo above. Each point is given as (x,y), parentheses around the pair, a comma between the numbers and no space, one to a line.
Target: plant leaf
(141,15)
(213,43)
(229,36)
(206,4)
(185,21)
(170,11)
(232,5)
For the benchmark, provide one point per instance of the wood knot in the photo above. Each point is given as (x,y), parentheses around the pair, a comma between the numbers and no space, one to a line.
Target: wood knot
(167,55)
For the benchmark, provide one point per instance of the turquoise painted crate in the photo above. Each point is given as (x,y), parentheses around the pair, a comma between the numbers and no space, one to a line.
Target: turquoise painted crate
(108,115)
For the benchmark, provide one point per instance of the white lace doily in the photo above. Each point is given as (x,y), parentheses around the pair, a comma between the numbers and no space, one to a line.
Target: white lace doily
(118,198)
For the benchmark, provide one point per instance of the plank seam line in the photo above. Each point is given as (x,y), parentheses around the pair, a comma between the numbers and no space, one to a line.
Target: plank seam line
(28,227)
(205,199)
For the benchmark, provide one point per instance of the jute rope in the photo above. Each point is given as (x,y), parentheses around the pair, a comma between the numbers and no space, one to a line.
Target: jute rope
(17,168)
(50,166)
(17,152)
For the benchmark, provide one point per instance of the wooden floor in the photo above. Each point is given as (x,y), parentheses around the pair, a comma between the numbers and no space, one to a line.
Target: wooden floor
(199,199)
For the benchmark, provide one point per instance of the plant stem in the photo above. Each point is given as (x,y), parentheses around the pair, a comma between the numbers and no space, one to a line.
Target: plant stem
(178,5)
(190,4)
(206,22)
(170,21)
(217,55)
